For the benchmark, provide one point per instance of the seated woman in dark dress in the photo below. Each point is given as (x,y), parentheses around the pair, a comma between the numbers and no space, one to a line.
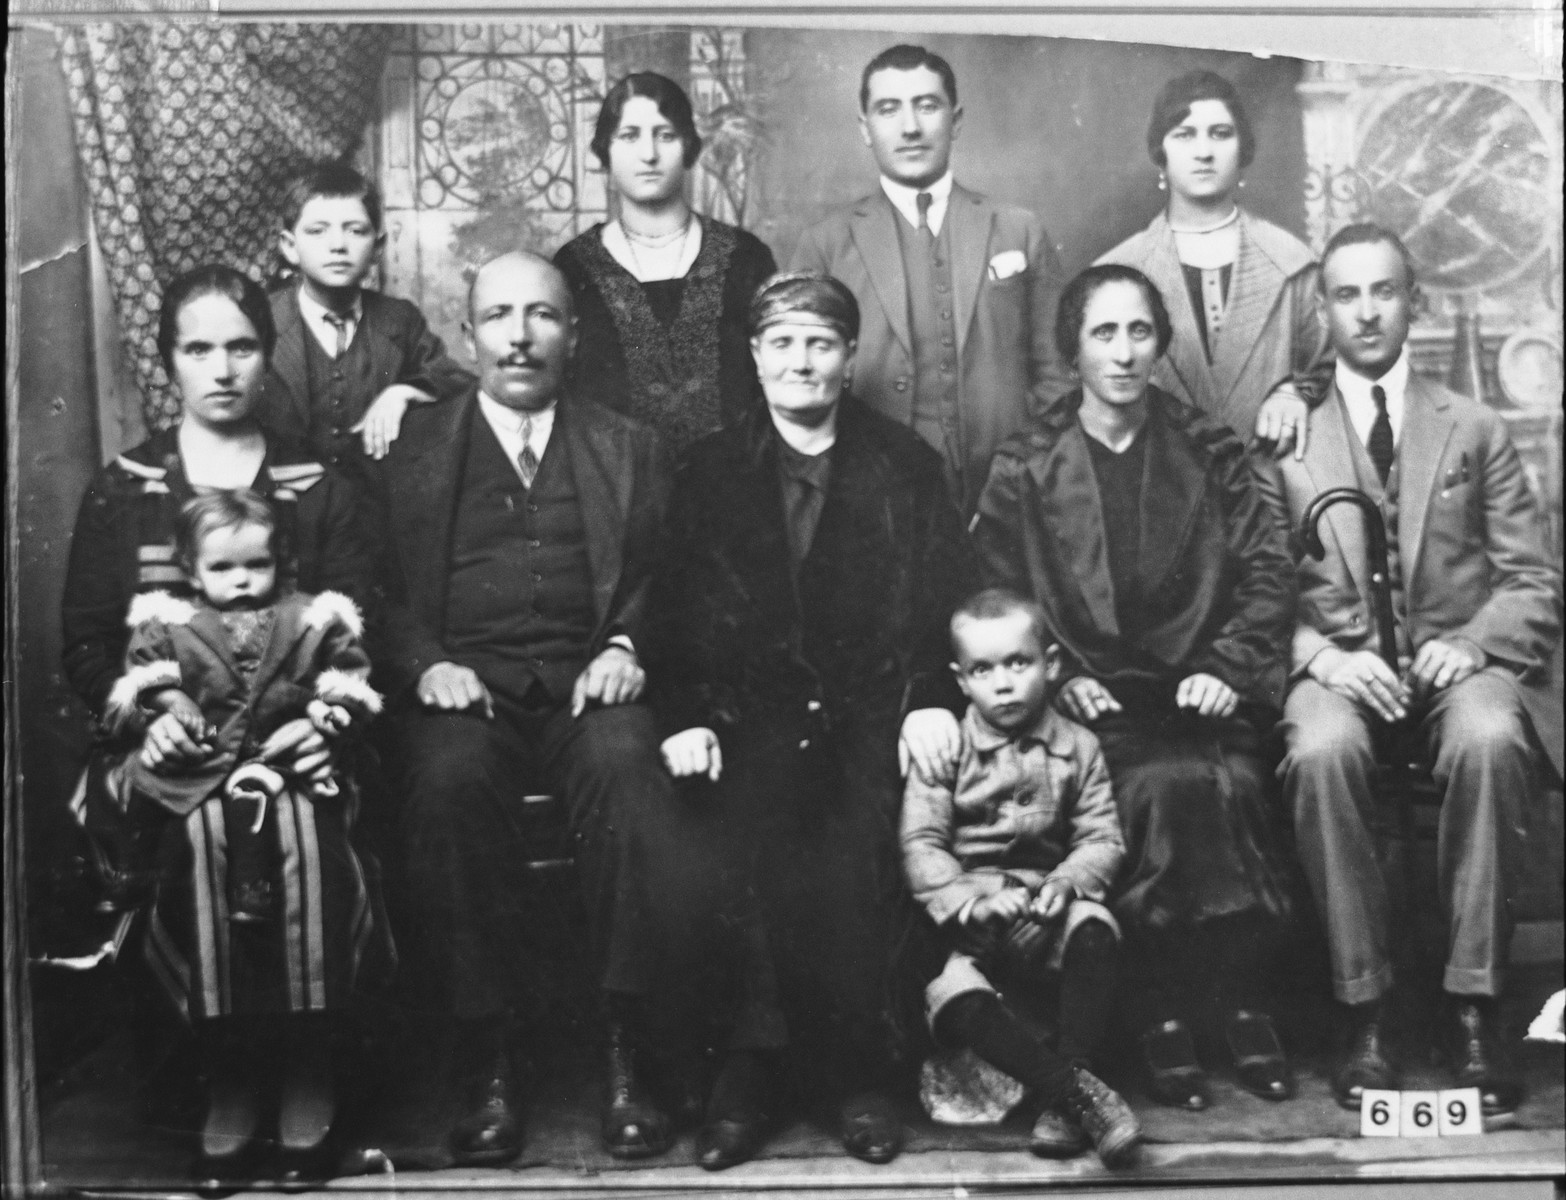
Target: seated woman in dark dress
(1140,526)
(661,292)
(259,998)
(814,556)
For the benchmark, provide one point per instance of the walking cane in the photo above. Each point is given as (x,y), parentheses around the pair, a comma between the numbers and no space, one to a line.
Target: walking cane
(1395,758)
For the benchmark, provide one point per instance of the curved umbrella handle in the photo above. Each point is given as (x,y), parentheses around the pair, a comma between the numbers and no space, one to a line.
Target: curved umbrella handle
(1376,553)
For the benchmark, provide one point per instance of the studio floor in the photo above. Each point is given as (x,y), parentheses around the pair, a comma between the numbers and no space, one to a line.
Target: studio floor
(102,1133)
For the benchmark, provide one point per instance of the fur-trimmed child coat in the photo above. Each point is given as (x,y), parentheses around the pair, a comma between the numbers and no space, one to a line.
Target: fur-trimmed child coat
(313,652)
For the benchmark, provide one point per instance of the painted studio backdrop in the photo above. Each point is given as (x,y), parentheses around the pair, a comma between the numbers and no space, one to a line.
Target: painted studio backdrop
(146,149)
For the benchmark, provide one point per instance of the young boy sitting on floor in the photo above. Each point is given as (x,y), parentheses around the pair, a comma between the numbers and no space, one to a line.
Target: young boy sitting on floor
(1011,854)
(348,361)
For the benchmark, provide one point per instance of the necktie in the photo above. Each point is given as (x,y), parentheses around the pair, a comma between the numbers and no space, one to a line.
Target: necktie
(527,461)
(1382,448)
(924,200)
(340,323)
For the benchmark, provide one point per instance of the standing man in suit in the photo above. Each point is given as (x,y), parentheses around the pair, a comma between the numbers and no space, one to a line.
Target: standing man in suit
(1477,602)
(518,525)
(958,292)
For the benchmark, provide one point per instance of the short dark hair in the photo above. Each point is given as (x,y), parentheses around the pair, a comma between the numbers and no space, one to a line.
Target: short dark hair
(212,511)
(216,280)
(993,603)
(1074,301)
(333,181)
(1174,106)
(672,102)
(1367,233)
(903,57)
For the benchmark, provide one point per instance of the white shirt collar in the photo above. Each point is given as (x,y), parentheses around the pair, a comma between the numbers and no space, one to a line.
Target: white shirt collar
(1355,390)
(507,424)
(905,200)
(314,314)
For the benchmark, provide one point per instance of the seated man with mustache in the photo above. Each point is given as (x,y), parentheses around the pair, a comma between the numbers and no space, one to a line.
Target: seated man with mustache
(517,526)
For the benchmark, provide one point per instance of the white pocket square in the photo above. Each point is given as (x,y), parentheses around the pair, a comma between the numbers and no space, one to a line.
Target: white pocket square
(1008,263)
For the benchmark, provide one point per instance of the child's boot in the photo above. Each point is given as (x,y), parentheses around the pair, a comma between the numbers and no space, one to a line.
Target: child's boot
(1104,1117)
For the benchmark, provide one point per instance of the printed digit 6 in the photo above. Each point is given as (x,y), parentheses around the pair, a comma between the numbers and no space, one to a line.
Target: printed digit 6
(1380,1114)
(1424,1114)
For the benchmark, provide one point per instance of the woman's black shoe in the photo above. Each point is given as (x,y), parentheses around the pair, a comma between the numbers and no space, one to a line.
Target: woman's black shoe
(870,1128)
(1259,1062)
(1175,1077)
(736,1119)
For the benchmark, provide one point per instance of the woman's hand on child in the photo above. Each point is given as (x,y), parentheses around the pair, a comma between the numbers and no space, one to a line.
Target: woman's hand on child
(930,742)
(693,752)
(1084,699)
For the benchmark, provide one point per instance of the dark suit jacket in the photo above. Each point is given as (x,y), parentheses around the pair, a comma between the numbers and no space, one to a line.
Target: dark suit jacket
(621,478)
(861,638)
(1006,283)
(1214,563)
(1470,543)
(401,349)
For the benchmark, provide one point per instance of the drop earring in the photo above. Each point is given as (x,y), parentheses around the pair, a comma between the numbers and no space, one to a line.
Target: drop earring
(1162,182)
(1242,183)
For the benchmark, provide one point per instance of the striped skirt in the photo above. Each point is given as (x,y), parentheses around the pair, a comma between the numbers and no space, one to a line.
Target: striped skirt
(305,960)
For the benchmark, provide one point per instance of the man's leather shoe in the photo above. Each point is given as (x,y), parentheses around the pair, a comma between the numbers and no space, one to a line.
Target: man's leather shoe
(870,1128)
(1174,1076)
(490,1130)
(1259,1062)
(736,1119)
(632,1126)
(1479,1059)
(1365,1064)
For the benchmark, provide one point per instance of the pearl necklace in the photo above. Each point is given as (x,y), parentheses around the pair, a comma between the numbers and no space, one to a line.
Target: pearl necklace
(658,240)
(1234,215)
(659,246)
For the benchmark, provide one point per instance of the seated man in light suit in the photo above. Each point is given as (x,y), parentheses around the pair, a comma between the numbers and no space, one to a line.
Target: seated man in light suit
(957,292)
(519,523)
(1477,603)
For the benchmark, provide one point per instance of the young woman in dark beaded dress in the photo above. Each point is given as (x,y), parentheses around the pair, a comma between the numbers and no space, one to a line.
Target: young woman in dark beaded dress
(661,293)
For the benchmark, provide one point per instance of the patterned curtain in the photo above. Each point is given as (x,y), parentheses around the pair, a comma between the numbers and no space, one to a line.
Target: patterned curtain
(188,134)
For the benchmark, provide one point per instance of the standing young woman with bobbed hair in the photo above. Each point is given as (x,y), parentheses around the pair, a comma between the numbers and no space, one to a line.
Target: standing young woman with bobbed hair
(661,292)
(1241,291)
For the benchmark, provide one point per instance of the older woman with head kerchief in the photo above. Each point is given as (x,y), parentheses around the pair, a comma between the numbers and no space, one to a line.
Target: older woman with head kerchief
(814,557)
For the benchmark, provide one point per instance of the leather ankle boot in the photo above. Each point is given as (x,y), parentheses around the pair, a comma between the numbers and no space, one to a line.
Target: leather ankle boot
(633,1126)
(1365,1064)
(1479,1057)
(1104,1117)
